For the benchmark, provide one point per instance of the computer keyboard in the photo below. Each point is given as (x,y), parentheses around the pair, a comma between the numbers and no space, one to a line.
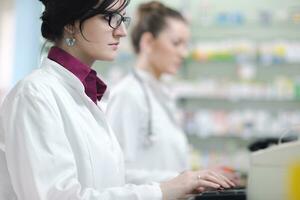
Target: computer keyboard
(226,194)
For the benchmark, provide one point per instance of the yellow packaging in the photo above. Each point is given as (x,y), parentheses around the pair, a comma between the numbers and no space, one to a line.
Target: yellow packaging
(294,181)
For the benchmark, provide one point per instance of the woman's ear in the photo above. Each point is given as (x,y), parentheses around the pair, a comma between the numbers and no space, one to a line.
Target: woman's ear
(146,42)
(70,30)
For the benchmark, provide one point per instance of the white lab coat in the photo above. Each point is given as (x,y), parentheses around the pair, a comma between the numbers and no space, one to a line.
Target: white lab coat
(55,144)
(127,112)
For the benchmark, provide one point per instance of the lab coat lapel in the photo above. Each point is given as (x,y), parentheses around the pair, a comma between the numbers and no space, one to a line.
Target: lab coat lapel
(75,84)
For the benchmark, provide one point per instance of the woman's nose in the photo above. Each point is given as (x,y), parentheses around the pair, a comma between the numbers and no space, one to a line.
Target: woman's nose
(184,51)
(120,31)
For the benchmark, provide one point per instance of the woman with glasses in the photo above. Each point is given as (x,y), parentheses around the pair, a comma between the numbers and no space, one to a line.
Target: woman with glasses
(55,143)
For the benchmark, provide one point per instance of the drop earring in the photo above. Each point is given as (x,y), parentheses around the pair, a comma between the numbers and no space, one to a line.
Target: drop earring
(70,41)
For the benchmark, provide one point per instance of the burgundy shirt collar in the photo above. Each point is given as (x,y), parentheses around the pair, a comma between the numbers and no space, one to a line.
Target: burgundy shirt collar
(94,87)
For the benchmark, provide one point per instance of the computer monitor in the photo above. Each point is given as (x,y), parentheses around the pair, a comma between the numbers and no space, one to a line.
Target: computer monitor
(268,176)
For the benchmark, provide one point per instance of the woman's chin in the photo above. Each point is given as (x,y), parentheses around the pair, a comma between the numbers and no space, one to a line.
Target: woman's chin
(173,72)
(108,58)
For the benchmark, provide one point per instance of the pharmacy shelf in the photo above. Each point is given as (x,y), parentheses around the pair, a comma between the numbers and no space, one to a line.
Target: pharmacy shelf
(220,144)
(228,143)
(196,70)
(191,102)
(250,31)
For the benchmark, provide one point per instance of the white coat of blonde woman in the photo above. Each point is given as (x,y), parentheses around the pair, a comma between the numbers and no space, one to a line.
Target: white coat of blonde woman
(154,146)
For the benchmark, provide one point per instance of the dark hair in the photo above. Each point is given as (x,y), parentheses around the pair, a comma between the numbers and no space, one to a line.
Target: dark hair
(59,13)
(151,17)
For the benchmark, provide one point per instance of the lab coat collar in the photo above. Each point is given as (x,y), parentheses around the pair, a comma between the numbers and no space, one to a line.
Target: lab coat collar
(161,92)
(147,76)
(63,74)
(158,87)
(68,77)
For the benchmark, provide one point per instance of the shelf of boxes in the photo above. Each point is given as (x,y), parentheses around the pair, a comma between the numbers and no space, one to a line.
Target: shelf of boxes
(241,81)
(251,83)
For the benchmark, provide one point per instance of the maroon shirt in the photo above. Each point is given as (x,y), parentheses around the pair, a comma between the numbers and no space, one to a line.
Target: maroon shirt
(93,86)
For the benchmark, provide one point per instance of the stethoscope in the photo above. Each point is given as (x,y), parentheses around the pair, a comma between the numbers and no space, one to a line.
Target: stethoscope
(150,136)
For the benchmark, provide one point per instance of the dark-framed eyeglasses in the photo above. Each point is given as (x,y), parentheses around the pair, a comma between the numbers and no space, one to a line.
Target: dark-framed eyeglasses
(115,20)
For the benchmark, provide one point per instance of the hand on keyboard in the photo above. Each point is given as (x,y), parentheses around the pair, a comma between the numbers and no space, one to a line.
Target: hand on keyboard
(190,181)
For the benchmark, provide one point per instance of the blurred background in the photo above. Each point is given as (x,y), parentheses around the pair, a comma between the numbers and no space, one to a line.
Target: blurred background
(239,84)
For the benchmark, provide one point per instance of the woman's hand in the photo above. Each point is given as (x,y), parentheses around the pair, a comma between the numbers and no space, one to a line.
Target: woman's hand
(190,182)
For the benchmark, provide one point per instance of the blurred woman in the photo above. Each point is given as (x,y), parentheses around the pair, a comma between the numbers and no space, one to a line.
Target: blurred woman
(140,109)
